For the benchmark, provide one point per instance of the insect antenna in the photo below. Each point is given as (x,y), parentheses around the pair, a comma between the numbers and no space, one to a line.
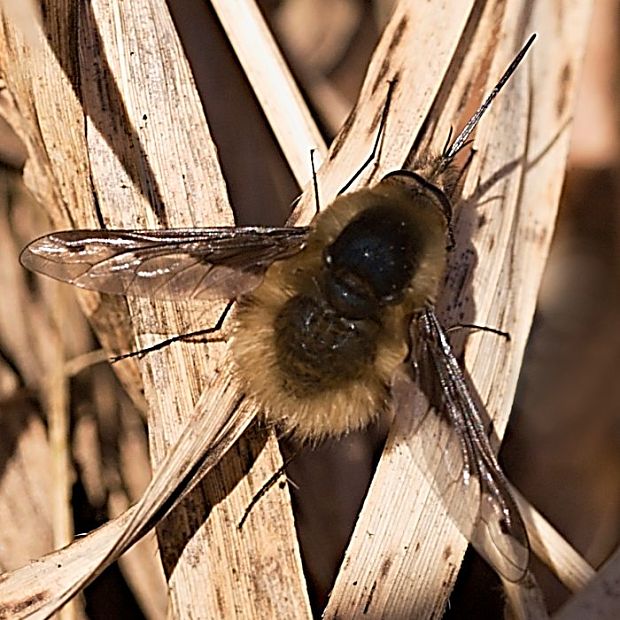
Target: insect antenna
(461,140)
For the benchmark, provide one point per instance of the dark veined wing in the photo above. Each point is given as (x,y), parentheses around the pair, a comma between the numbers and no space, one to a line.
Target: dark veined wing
(193,263)
(496,529)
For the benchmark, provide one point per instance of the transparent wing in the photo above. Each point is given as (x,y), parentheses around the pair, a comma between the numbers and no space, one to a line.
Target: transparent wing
(197,263)
(496,529)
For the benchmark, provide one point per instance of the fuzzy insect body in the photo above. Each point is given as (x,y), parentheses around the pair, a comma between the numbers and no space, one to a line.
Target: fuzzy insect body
(318,342)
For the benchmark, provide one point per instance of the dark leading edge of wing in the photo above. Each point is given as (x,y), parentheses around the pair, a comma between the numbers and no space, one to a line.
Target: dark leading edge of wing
(198,263)
(495,529)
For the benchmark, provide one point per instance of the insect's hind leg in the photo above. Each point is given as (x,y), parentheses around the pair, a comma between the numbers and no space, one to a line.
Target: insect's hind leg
(194,336)
(378,138)
(281,471)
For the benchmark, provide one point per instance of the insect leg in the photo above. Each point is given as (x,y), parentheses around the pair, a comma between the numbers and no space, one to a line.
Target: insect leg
(188,337)
(380,131)
(281,471)
(481,328)
(315,182)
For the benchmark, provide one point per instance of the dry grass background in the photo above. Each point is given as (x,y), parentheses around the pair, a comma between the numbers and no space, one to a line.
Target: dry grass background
(74,448)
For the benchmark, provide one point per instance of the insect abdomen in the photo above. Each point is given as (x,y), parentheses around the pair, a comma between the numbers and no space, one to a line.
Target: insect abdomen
(311,338)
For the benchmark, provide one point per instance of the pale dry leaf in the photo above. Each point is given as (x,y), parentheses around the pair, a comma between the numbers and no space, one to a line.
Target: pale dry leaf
(178,170)
(39,588)
(600,599)
(553,550)
(25,16)
(25,499)
(272,84)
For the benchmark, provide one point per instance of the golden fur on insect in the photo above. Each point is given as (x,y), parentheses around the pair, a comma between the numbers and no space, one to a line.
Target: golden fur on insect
(329,404)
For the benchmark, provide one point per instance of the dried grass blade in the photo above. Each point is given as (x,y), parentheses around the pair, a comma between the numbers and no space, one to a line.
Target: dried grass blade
(39,588)
(272,84)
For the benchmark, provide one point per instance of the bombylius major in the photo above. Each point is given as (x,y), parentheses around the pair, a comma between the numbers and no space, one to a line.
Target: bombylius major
(325,313)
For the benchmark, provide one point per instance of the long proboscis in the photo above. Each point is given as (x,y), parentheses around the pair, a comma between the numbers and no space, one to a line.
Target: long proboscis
(461,140)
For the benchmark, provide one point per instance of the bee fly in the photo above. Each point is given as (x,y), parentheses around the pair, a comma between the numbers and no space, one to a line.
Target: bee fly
(325,312)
